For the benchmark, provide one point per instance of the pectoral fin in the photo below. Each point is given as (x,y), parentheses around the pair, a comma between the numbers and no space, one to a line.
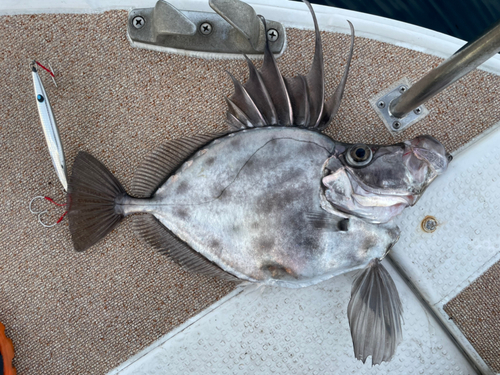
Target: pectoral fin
(374,314)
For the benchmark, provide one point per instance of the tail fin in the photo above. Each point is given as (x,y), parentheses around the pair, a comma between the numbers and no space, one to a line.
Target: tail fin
(92,192)
(374,314)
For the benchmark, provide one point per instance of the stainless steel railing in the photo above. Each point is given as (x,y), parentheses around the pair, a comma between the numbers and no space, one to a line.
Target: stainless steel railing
(458,65)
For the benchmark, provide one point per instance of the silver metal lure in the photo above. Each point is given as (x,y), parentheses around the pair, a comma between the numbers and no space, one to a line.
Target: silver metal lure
(50,129)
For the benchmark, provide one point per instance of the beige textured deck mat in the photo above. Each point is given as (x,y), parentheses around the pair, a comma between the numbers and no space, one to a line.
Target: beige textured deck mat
(477,312)
(70,313)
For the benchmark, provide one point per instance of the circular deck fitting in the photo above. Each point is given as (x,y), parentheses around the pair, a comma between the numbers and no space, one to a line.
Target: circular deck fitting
(429,224)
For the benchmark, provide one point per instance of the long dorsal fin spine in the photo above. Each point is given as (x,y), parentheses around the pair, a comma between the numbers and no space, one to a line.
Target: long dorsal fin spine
(241,98)
(257,90)
(281,101)
(239,114)
(234,123)
(315,77)
(333,104)
(275,85)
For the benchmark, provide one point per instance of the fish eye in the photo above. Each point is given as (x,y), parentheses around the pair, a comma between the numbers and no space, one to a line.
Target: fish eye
(359,155)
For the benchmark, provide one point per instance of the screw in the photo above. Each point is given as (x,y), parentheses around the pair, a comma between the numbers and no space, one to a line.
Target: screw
(402,89)
(205,28)
(138,22)
(417,111)
(429,224)
(272,35)
(381,104)
(396,125)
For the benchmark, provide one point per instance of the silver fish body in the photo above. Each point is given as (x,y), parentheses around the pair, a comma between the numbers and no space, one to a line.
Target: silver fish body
(50,129)
(250,203)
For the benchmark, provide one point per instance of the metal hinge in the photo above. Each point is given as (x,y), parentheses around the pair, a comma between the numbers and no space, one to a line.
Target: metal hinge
(234,30)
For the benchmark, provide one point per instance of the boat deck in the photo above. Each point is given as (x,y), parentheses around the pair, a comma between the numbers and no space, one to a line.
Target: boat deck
(86,313)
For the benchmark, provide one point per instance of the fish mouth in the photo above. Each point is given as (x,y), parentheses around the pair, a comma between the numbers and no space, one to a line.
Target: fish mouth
(372,197)
(346,194)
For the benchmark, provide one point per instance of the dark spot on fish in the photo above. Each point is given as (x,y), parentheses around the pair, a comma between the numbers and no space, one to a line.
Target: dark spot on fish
(182,213)
(309,147)
(278,272)
(227,193)
(209,161)
(277,201)
(214,244)
(235,142)
(368,243)
(265,243)
(249,164)
(182,188)
(302,235)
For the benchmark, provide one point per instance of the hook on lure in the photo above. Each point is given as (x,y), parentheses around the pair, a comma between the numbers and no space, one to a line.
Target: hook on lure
(35,63)
(41,213)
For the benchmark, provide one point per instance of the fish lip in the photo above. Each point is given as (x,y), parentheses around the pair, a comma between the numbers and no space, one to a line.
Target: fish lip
(383,212)
(410,197)
(415,145)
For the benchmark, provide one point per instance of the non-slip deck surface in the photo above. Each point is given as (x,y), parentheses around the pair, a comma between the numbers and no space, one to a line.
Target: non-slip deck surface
(477,312)
(72,313)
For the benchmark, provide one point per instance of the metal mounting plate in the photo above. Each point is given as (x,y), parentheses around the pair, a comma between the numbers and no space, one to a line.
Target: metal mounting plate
(381,103)
(191,31)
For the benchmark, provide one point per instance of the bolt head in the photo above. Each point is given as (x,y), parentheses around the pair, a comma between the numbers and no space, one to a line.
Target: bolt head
(205,28)
(381,104)
(396,125)
(272,35)
(417,111)
(402,89)
(138,22)
(429,224)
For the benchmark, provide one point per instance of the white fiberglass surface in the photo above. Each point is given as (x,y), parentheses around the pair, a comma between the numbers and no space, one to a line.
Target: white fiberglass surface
(465,203)
(270,330)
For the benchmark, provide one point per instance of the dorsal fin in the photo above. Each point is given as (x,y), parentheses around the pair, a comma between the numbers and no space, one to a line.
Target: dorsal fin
(315,78)
(269,99)
(165,160)
(153,171)
(161,238)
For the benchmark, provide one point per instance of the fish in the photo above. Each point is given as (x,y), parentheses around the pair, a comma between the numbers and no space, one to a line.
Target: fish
(273,200)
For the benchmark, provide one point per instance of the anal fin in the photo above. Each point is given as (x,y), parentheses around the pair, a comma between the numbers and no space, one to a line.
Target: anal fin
(161,238)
